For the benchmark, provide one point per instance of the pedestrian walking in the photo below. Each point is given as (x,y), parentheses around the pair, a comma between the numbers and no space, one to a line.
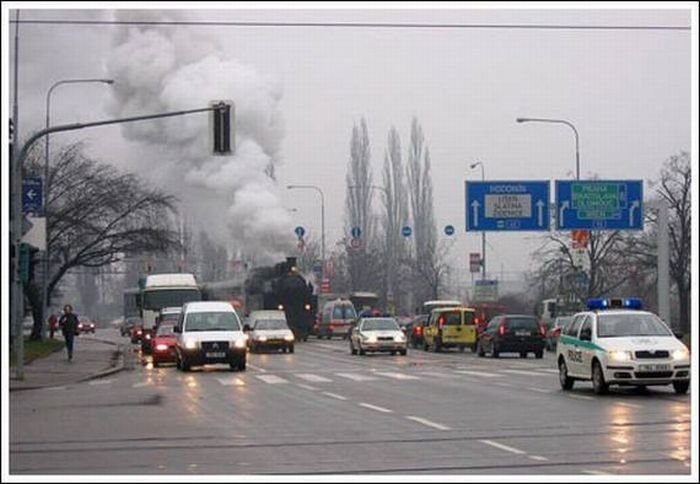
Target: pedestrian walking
(53,324)
(69,327)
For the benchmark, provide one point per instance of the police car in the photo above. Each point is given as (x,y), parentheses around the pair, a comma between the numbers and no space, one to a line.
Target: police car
(616,343)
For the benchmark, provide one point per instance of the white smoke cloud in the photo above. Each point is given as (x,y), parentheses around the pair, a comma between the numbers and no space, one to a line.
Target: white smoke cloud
(159,69)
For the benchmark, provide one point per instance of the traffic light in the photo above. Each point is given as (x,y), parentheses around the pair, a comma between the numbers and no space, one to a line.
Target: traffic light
(222,128)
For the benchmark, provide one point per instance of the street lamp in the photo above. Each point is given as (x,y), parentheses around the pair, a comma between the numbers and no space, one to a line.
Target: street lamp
(323,223)
(559,121)
(44,290)
(483,233)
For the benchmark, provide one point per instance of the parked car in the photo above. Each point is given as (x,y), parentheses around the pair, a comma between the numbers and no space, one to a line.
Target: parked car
(377,334)
(164,344)
(210,332)
(553,333)
(269,330)
(85,325)
(128,324)
(512,333)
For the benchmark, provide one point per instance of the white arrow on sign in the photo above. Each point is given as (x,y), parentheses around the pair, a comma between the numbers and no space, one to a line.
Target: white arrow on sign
(633,205)
(563,207)
(475,212)
(540,206)
(31,194)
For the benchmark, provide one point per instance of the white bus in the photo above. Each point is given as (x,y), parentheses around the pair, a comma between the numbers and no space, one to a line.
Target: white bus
(166,290)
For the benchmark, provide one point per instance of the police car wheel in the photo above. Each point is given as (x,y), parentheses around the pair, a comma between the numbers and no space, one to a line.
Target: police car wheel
(600,387)
(566,382)
(681,387)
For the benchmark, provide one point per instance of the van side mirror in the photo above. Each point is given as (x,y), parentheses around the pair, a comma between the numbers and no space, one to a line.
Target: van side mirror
(678,334)
(246,327)
(177,329)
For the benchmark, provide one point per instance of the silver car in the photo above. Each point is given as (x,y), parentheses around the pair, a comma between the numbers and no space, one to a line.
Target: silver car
(269,329)
(377,334)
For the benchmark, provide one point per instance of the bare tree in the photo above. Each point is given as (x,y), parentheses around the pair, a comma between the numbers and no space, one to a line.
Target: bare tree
(395,200)
(420,188)
(96,215)
(358,206)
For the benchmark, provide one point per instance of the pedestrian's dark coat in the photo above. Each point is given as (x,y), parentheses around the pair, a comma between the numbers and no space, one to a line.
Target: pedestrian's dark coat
(69,323)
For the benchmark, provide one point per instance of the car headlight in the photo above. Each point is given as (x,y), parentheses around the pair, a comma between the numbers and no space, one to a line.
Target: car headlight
(619,355)
(261,338)
(239,343)
(190,344)
(161,347)
(370,338)
(681,354)
(289,337)
(400,338)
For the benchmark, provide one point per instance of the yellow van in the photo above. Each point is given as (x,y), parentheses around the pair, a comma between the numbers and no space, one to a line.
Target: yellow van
(450,328)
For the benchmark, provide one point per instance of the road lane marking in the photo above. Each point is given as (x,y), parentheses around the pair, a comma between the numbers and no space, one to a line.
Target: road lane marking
(537,457)
(335,395)
(503,447)
(523,372)
(356,376)
(540,390)
(580,397)
(548,370)
(231,381)
(307,387)
(271,379)
(100,382)
(428,423)
(141,384)
(374,407)
(478,373)
(57,388)
(436,374)
(595,473)
(397,376)
(312,378)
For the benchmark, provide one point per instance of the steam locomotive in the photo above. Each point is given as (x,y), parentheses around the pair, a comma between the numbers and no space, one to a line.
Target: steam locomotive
(272,287)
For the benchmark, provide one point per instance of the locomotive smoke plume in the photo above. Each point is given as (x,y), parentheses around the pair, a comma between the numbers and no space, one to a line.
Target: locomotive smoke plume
(233,198)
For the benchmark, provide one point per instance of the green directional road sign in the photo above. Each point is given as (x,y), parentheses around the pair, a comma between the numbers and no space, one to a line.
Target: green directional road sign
(599,204)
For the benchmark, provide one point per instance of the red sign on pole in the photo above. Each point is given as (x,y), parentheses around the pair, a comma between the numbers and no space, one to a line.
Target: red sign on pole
(355,242)
(325,285)
(579,239)
(474,262)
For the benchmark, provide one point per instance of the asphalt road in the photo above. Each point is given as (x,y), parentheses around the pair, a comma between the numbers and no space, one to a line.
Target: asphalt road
(323,411)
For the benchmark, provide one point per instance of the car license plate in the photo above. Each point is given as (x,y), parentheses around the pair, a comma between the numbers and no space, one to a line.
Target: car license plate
(218,354)
(654,367)
(522,333)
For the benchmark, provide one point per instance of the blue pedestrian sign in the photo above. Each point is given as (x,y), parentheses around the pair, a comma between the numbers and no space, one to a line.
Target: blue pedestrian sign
(32,194)
(355,232)
(299,231)
(406,231)
(507,205)
(449,230)
(599,204)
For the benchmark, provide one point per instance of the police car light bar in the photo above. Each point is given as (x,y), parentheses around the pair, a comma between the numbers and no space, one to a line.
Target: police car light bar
(614,303)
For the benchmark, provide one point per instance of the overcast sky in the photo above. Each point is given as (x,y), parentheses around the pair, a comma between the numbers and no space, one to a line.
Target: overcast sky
(628,92)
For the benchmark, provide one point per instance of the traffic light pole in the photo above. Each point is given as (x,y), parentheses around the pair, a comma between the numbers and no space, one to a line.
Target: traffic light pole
(17,309)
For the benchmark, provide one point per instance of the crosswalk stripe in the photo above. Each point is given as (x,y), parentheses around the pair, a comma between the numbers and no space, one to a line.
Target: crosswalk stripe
(523,372)
(271,379)
(313,378)
(231,381)
(478,373)
(356,376)
(397,376)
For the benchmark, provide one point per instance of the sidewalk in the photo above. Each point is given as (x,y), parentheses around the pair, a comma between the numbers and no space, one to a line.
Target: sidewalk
(92,358)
